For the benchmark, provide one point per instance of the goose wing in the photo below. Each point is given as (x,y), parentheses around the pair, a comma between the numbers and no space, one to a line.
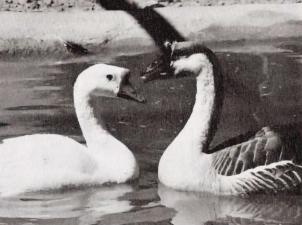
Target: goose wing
(269,145)
(279,176)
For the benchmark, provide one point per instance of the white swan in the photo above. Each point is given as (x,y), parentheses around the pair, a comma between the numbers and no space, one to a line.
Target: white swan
(50,161)
(268,161)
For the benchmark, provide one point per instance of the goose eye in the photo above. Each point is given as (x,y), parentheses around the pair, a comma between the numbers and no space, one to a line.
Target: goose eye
(109,77)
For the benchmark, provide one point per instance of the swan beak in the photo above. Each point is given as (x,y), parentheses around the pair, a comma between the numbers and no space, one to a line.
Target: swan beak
(128,92)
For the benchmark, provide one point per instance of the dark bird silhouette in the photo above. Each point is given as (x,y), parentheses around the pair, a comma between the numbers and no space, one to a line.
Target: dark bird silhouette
(155,24)
(75,48)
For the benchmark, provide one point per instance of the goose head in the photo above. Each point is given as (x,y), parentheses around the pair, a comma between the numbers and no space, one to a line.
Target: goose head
(181,59)
(107,81)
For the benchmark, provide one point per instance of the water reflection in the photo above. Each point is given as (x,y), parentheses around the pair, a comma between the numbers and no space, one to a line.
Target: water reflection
(202,208)
(70,206)
(38,99)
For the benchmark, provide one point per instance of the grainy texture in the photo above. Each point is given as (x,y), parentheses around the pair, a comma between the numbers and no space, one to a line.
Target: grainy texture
(63,5)
(44,33)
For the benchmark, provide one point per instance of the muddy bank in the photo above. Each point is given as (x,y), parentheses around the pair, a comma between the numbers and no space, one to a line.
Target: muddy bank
(90,5)
(38,34)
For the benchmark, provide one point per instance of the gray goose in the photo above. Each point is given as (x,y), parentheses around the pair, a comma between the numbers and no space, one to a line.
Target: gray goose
(265,161)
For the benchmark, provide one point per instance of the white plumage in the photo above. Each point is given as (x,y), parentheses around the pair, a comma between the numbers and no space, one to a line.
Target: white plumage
(50,161)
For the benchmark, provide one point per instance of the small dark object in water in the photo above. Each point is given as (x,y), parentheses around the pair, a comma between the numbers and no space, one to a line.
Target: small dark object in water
(156,5)
(32,107)
(292,46)
(30,199)
(75,48)
(2,124)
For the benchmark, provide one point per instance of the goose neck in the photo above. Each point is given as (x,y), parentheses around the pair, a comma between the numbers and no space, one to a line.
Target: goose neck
(201,126)
(199,123)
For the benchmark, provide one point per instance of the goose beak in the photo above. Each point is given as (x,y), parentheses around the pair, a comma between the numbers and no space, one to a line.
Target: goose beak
(158,69)
(128,92)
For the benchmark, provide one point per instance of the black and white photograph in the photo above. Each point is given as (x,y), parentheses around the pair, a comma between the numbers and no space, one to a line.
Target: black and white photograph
(150,112)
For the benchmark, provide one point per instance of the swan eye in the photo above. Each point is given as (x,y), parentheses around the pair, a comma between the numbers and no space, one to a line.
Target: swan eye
(109,77)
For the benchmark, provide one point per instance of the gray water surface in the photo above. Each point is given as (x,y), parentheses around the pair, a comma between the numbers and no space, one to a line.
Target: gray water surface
(36,97)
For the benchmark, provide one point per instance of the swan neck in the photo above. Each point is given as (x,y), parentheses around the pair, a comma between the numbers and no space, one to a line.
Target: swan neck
(93,130)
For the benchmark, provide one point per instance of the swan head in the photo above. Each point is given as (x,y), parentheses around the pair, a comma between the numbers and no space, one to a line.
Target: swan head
(107,81)
(181,59)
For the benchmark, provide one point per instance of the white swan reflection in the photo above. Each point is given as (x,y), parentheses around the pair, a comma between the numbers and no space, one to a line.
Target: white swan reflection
(76,207)
(201,208)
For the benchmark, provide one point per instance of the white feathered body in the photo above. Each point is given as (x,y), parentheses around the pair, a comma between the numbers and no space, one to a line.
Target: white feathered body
(54,161)
(49,161)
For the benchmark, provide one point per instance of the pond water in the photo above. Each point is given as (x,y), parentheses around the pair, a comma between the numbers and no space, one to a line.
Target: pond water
(262,83)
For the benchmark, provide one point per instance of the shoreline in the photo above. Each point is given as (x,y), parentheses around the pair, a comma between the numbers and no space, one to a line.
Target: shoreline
(91,5)
(43,34)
